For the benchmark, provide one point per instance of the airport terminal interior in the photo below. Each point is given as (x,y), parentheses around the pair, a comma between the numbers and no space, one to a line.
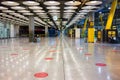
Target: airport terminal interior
(59,39)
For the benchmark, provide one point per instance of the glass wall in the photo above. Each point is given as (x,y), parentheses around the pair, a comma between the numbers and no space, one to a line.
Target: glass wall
(4,30)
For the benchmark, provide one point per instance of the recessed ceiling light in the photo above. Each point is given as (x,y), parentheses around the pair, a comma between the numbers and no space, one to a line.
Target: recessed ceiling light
(45,17)
(3,8)
(28,14)
(109,7)
(10,3)
(73,3)
(53,11)
(69,11)
(94,3)
(71,7)
(30,3)
(8,11)
(90,7)
(41,13)
(84,11)
(18,8)
(92,10)
(35,7)
(51,3)
(37,11)
(13,13)
(53,7)
(23,11)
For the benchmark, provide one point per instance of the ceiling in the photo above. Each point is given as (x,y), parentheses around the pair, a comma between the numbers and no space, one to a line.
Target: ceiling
(54,13)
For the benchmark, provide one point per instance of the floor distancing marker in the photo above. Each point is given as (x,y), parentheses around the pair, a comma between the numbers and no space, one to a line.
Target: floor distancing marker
(101,64)
(115,50)
(14,54)
(48,58)
(88,54)
(41,75)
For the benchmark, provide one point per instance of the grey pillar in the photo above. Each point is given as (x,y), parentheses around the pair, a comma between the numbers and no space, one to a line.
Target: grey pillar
(91,16)
(91,20)
(46,30)
(31,28)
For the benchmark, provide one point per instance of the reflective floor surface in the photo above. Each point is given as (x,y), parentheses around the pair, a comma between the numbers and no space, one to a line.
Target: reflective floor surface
(58,59)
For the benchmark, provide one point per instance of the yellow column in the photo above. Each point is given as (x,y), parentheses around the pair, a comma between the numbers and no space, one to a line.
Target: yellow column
(111,14)
(91,35)
(85,25)
(91,31)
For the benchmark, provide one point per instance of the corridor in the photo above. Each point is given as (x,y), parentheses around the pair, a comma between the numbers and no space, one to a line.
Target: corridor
(58,59)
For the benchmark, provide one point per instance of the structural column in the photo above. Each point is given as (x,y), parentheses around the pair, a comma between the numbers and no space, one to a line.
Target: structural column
(5,30)
(12,30)
(31,28)
(91,28)
(46,30)
(17,30)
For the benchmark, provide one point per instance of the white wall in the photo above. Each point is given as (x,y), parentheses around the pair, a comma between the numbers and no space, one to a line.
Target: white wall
(16,30)
(77,33)
(12,31)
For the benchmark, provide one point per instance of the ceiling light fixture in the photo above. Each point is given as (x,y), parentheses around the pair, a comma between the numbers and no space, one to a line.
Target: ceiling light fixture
(69,11)
(8,11)
(53,11)
(70,7)
(51,3)
(86,11)
(10,3)
(17,8)
(90,7)
(30,3)
(53,7)
(37,11)
(73,3)
(3,8)
(93,3)
(27,13)
(35,7)
(23,11)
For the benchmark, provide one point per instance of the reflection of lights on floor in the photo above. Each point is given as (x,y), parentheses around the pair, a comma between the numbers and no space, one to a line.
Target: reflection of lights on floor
(87,58)
(99,70)
(108,77)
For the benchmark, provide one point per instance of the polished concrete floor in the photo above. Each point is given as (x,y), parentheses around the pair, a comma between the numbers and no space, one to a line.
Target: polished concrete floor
(58,59)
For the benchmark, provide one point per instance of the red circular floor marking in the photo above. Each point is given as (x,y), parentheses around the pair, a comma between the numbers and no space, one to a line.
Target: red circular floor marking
(25,49)
(101,64)
(88,54)
(41,75)
(3,47)
(80,48)
(14,54)
(115,50)
(48,58)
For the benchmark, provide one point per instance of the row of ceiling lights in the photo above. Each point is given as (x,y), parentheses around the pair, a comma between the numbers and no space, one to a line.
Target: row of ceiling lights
(91,6)
(52,7)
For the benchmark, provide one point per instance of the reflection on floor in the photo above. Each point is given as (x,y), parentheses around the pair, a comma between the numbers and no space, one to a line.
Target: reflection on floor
(58,59)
